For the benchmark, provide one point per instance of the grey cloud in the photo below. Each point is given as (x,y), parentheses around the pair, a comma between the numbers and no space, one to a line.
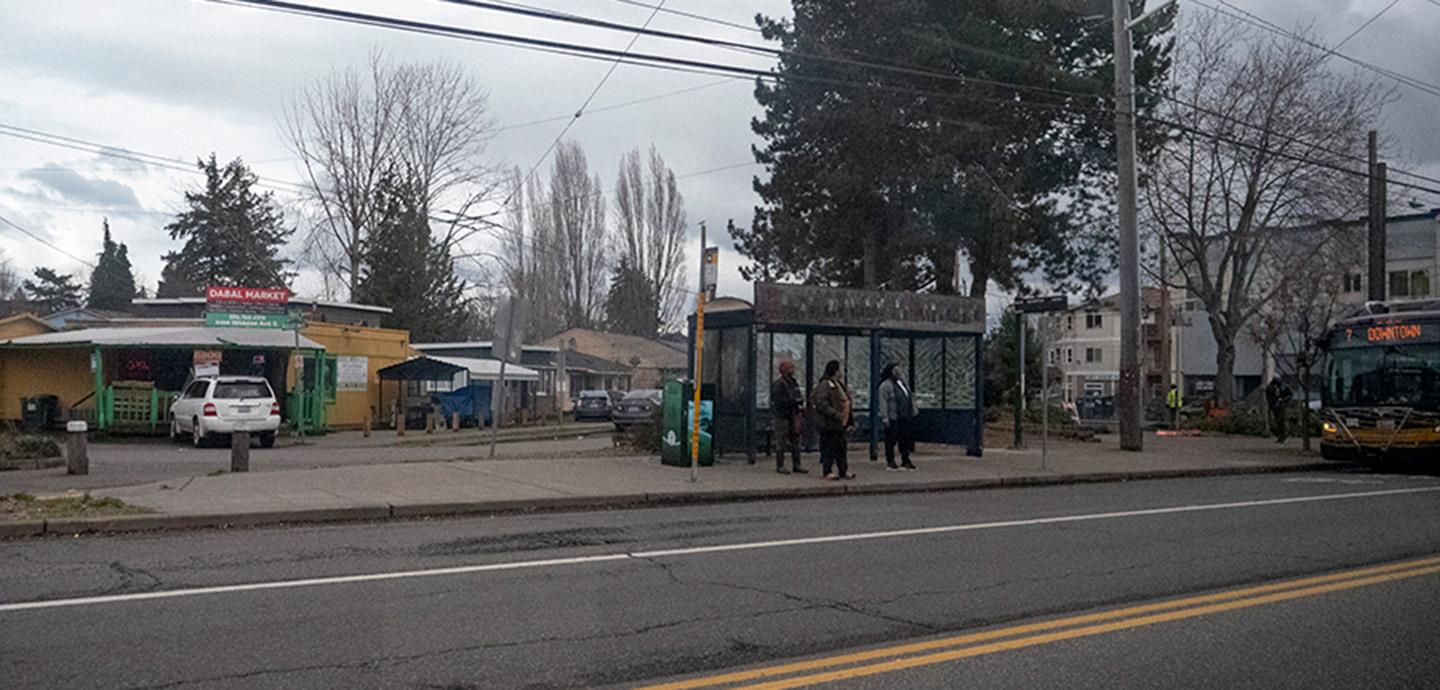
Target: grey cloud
(74,187)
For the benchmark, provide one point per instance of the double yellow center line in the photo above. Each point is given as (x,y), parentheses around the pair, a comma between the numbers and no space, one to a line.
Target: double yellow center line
(907,656)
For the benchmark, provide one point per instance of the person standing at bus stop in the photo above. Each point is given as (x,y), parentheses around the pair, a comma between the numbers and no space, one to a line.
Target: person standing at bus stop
(832,405)
(1277,396)
(897,413)
(1173,402)
(787,407)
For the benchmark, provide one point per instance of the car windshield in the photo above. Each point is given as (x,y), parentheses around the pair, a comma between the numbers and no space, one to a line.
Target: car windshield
(233,390)
(1398,375)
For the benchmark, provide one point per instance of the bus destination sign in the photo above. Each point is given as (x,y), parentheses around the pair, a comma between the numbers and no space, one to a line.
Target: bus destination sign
(1389,333)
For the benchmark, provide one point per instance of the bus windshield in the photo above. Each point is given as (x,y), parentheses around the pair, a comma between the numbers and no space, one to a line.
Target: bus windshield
(1391,375)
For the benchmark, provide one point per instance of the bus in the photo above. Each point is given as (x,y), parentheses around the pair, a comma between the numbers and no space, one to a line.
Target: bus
(1381,391)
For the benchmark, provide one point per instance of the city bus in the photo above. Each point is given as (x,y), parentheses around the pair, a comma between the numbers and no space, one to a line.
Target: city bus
(1381,391)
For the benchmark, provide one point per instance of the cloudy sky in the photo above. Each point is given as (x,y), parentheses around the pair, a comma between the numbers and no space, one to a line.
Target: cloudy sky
(184,78)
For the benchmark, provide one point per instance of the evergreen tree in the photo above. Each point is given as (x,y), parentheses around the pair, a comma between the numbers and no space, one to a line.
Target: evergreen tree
(51,292)
(112,283)
(232,235)
(876,176)
(1002,356)
(409,271)
(632,307)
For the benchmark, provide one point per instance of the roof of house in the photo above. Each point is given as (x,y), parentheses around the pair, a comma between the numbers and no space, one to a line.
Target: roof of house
(621,348)
(544,356)
(429,366)
(105,314)
(185,336)
(26,316)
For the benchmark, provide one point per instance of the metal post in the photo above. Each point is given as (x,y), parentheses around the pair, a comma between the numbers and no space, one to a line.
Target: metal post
(1044,409)
(1020,394)
(77,456)
(240,451)
(562,383)
(1376,235)
(699,351)
(498,399)
(1128,395)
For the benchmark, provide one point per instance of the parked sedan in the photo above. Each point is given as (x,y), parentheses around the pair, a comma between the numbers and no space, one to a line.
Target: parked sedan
(213,407)
(637,407)
(593,406)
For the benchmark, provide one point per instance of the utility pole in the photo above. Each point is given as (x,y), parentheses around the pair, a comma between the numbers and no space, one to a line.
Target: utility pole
(699,350)
(1376,245)
(1127,396)
(1164,319)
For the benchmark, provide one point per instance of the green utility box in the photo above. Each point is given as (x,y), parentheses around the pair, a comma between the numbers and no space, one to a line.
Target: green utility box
(677,424)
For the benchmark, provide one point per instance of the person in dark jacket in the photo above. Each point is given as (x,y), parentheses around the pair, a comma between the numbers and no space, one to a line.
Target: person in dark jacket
(897,414)
(787,405)
(832,406)
(1277,397)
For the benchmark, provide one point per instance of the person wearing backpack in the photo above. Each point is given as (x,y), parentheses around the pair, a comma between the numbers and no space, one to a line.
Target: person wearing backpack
(833,408)
(897,413)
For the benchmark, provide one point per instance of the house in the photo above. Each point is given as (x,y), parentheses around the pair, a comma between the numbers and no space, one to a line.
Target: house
(81,317)
(583,371)
(651,361)
(1085,354)
(23,324)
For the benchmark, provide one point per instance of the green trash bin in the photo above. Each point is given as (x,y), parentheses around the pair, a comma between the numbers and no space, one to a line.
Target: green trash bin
(677,409)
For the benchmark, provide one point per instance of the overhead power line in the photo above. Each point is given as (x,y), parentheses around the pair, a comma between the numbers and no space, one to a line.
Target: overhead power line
(708,19)
(1247,17)
(45,242)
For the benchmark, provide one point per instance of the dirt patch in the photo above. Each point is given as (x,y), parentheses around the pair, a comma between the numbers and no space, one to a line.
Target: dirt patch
(26,507)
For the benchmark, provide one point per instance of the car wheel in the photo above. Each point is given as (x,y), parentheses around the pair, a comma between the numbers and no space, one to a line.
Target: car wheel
(175,436)
(267,440)
(197,434)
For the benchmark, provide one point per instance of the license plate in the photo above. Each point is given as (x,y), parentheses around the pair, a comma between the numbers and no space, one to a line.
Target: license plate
(244,408)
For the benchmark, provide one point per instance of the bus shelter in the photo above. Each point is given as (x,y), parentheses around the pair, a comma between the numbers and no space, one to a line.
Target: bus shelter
(936,339)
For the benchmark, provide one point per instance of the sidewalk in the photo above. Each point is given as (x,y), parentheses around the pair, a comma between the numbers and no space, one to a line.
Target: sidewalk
(382,491)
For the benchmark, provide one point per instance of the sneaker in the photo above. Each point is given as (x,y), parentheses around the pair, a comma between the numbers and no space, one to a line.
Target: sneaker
(800,470)
(909,468)
(832,476)
(850,475)
(891,468)
(781,469)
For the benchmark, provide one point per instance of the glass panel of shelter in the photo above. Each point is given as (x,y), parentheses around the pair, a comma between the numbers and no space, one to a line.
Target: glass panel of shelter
(764,371)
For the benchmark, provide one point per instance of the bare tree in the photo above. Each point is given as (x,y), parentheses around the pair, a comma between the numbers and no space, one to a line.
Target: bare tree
(1291,325)
(577,214)
(1267,149)
(353,127)
(9,279)
(650,219)
(528,256)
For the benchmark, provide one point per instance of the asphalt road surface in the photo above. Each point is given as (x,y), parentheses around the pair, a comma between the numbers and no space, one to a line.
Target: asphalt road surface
(1271,580)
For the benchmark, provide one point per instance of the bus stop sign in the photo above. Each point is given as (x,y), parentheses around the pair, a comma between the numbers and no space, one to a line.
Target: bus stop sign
(1038,305)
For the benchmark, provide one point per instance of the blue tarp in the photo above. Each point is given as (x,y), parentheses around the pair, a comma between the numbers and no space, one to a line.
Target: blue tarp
(472,402)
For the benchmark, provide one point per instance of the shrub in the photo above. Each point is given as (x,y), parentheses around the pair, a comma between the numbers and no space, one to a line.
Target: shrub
(28,446)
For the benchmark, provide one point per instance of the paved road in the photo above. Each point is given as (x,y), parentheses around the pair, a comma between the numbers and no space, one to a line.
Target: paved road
(631,597)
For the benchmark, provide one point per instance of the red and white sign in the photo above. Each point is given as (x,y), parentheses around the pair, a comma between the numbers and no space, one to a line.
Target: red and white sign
(244,294)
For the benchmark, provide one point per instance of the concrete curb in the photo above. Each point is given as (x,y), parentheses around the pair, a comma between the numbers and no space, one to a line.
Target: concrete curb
(138,523)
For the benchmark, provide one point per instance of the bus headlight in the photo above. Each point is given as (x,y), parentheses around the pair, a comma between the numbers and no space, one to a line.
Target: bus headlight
(1329,427)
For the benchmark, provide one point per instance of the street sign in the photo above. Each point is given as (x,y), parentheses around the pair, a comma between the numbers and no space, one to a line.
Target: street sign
(710,270)
(509,330)
(1037,305)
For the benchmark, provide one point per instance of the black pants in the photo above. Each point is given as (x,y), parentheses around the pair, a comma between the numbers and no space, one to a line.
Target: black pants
(1277,423)
(832,452)
(784,438)
(899,432)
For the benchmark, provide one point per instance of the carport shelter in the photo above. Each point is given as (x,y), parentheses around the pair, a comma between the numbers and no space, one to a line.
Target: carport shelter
(935,338)
(462,384)
(124,379)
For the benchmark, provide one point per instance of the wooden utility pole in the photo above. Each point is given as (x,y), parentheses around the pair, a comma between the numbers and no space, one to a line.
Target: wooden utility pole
(1376,244)
(1127,395)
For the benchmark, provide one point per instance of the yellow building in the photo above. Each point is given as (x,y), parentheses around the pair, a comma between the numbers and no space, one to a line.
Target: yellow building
(356,355)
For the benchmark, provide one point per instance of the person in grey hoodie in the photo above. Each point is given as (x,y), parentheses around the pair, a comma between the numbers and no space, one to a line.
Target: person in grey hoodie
(897,413)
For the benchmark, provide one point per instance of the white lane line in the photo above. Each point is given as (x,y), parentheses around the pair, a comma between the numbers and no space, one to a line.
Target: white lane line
(690,551)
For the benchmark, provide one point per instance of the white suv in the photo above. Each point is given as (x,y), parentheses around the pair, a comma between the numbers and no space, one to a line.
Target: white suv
(224,404)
